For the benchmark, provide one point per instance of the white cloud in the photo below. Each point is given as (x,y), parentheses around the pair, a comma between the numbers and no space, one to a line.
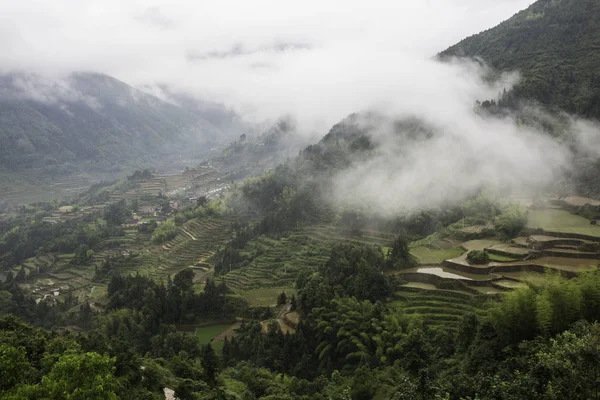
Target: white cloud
(318,60)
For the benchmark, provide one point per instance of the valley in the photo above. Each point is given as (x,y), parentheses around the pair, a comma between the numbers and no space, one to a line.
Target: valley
(437,268)
(300,203)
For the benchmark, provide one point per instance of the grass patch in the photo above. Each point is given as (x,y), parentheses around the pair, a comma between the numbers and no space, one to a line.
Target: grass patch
(426,255)
(526,276)
(507,283)
(206,333)
(265,297)
(568,264)
(438,307)
(420,285)
(561,221)
(497,257)
(480,244)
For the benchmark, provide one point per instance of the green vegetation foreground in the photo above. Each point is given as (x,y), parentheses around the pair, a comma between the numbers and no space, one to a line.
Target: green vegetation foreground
(540,342)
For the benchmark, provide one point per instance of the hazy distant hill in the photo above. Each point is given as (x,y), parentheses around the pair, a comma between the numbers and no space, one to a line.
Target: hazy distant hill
(555,44)
(96,119)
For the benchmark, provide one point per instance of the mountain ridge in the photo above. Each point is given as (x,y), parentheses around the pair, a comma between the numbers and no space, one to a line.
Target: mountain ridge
(555,45)
(91,117)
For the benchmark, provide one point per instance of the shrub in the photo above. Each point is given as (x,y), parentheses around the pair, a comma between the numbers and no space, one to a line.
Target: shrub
(512,221)
(478,257)
(451,284)
(165,231)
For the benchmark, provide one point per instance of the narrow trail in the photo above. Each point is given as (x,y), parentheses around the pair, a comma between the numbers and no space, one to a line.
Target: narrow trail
(189,234)
(284,310)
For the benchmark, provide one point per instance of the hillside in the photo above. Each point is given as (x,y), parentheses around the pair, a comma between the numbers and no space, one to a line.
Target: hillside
(92,119)
(555,45)
(263,273)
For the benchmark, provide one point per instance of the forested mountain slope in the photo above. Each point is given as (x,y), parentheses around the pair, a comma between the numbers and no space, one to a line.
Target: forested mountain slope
(555,45)
(93,118)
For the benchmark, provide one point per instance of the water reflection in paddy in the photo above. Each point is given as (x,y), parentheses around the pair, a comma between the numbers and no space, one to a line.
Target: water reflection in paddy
(441,273)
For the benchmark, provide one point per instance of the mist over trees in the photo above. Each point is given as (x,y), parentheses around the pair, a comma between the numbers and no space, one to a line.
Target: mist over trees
(395,258)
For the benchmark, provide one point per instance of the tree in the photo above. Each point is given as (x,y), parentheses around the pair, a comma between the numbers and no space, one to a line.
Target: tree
(202,201)
(21,275)
(88,376)
(165,231)
(117,213)
(210,363)
(570,365)
(184,280)
(281,299)
(83,254)
(14,367)
(512,221)
(165,206)
(478,257)
(399,256)
(135,205)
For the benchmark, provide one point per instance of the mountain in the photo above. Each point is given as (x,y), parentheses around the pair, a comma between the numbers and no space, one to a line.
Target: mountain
(96,120)
(555,45)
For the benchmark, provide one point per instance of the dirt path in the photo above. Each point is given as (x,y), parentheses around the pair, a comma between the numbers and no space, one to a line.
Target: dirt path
(284,310)
(169,394)
(189,234)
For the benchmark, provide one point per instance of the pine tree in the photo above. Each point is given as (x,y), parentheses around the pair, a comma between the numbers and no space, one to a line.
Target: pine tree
(281,299)
(21,274)
(399,256)
(225,352)
(210,363)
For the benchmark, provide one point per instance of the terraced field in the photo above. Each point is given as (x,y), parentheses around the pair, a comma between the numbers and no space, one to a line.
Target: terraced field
(568,245)
(561,221)
(333,234)
(276,262)
(426,255)
(438,308)
(195,244)
(266,296)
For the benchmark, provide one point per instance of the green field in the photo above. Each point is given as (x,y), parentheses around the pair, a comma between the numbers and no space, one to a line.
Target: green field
(561,221)
(569,264)
(206,333)
(440,308)
(480,244)
(497,257)
(276,263)
(265,297)
(507,283)
(426,255)
(525,276)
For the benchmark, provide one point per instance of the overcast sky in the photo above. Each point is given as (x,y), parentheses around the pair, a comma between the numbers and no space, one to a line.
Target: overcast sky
(263,58)
(317,61)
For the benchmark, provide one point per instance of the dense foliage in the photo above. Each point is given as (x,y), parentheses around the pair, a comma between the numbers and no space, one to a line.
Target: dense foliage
(350,335)
(478,257)
(29,235)
(553,45)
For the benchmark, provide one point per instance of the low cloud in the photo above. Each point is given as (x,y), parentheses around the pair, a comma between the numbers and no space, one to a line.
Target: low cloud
(44,90)
(406,174)
(317,61)
(586,136)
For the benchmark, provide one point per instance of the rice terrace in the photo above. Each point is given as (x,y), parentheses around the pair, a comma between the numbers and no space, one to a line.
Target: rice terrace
(307,201)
